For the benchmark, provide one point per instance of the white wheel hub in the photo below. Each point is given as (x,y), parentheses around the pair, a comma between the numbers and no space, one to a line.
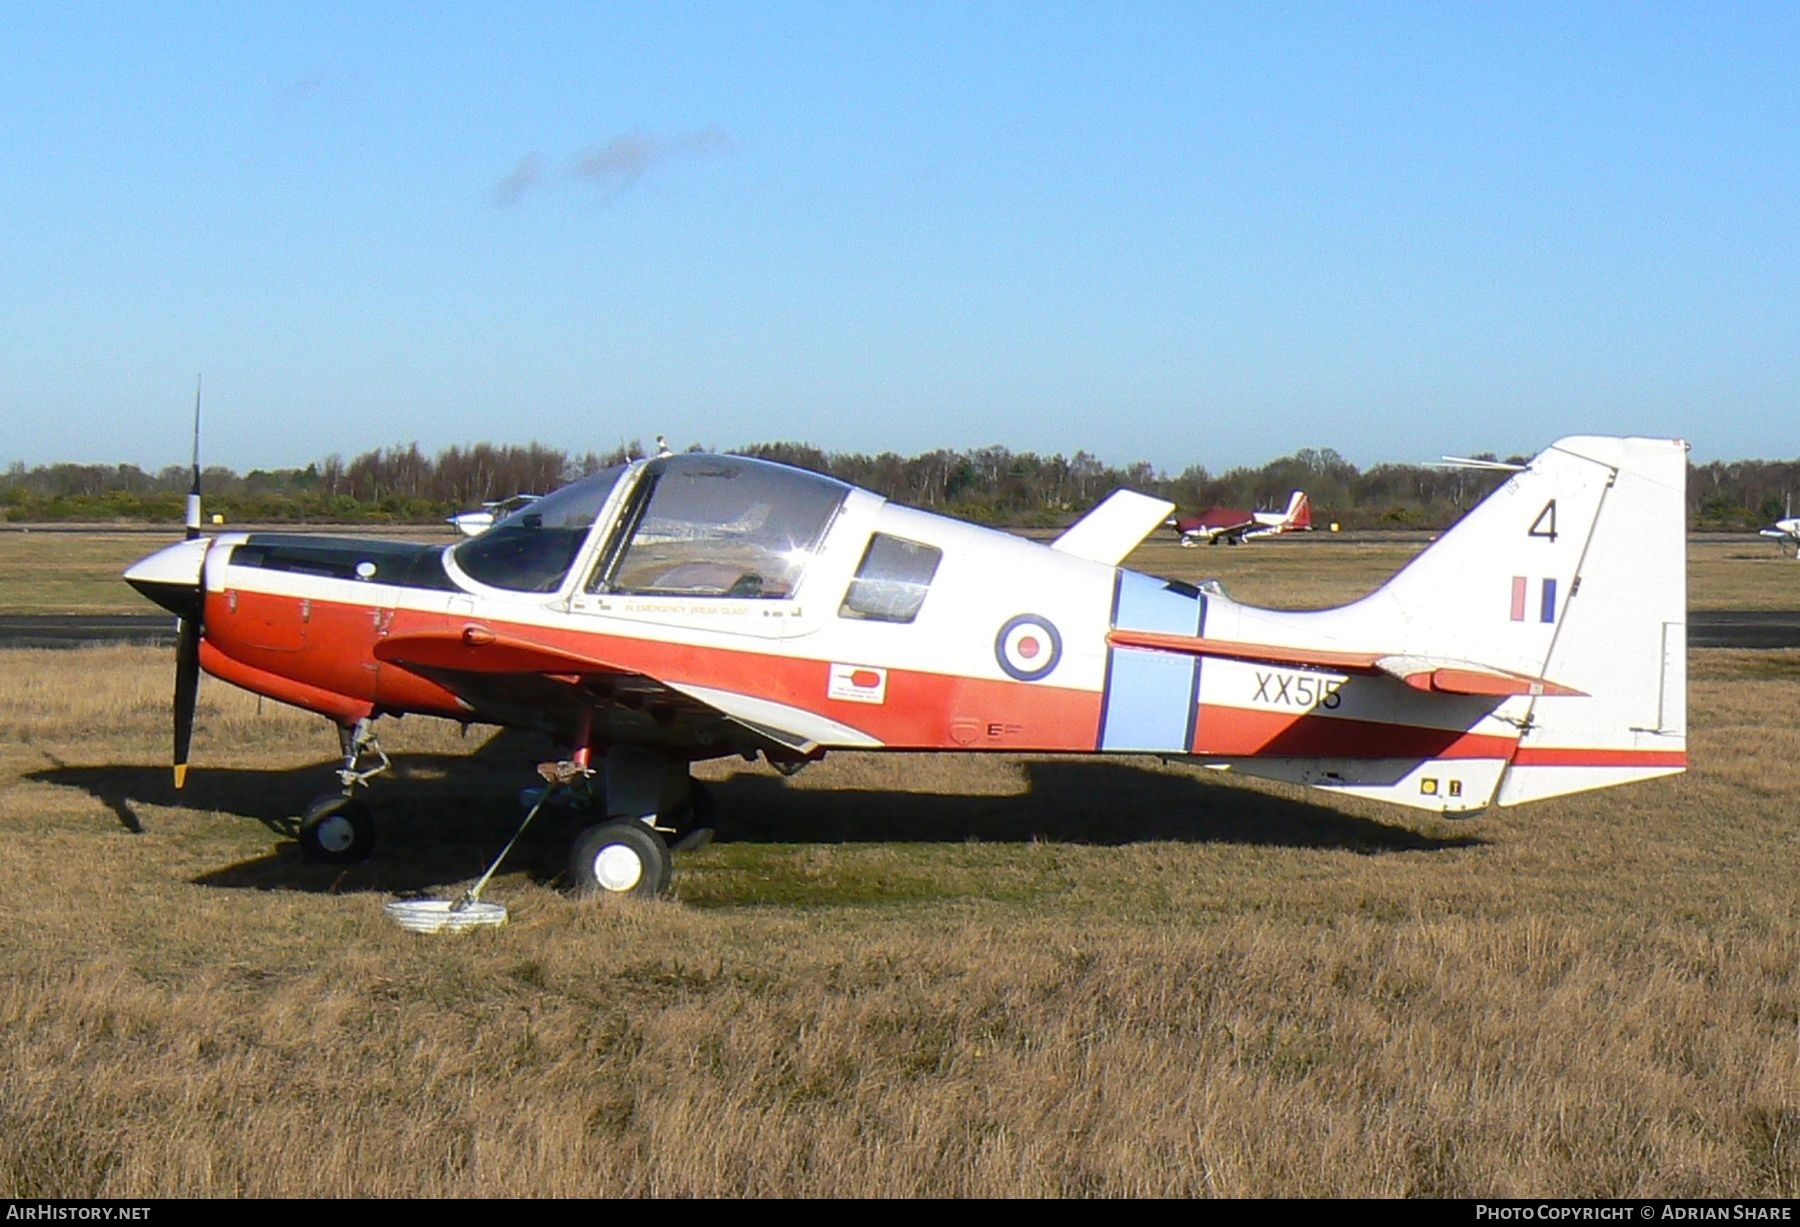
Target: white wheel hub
(335,833)
(618,868)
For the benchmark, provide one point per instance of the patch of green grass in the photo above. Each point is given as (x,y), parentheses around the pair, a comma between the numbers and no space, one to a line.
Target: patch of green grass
(879,876)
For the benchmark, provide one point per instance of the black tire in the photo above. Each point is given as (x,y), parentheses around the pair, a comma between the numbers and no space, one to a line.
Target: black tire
(621,857)
(337,830)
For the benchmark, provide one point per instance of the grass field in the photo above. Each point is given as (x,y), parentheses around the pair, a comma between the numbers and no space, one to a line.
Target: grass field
(893,975)
(78,572)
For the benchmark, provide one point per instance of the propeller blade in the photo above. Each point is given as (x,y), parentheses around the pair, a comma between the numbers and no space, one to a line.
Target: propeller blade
(187,689)
(187,649)
(193,498)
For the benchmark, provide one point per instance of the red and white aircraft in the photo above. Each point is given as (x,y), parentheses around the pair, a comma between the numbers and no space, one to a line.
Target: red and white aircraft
(685,607)
(1235,527)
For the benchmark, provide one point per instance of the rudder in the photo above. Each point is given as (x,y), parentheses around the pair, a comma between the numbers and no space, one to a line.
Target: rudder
(1622,637)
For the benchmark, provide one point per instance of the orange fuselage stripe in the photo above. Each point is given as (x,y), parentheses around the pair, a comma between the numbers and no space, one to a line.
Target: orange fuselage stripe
(319,654)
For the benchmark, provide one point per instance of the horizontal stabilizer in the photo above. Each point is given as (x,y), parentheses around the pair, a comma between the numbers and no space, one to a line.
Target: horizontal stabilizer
(1267,653)
(1114,528)
(1432,674)
(1440,676)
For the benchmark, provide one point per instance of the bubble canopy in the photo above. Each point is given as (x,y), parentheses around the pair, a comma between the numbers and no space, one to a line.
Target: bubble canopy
(721,526)
(691,525)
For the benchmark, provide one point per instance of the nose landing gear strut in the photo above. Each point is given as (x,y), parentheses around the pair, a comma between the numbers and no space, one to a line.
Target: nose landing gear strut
(337,828)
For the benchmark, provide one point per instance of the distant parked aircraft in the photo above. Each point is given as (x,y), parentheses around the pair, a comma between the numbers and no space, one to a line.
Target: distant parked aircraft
(1234,527)
(1787,532)
(474,523)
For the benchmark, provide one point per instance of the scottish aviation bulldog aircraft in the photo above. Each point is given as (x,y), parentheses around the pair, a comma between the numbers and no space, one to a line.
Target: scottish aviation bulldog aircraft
(684,607)
(1235,527)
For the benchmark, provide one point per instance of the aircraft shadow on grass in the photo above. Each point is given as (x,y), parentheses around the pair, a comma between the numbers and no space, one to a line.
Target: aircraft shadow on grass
(444,817)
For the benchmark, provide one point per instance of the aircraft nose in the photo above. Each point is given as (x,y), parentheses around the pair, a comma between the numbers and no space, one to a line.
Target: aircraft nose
(171,577)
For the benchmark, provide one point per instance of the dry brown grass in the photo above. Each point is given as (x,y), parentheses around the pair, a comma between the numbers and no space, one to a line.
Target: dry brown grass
(65,572)
(61,570)
(1317,570)
(893,976)
(1741,573)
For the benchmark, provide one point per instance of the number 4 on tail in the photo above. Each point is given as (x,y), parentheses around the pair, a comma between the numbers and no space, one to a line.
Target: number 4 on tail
(1545,524)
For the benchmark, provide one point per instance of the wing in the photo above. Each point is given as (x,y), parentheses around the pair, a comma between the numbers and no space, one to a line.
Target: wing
(1215,526)
(517,681)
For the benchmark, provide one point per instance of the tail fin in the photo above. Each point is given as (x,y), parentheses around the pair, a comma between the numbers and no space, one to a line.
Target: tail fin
(1573,571)
(1623,637)
(1299,511)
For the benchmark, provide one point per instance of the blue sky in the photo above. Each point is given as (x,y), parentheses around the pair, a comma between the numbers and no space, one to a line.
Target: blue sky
(1186,233)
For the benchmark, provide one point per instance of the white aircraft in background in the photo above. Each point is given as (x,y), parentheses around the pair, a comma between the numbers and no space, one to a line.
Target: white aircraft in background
(1235,527)
(474,523)
(1787,532)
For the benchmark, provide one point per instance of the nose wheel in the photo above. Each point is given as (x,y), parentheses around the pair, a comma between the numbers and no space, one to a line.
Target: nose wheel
(337,830)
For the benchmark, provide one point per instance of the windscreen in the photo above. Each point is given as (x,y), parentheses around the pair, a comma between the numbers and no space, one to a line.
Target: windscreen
(532,549)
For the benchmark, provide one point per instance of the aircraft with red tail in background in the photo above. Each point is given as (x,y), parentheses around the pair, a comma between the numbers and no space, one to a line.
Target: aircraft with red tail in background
(1233,527)
(686,607)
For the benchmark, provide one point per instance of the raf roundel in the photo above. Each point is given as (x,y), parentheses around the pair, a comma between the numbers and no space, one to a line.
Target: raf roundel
(1028,647)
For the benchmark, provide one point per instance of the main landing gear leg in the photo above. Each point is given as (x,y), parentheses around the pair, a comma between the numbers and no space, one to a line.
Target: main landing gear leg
(649,797)
(337,828)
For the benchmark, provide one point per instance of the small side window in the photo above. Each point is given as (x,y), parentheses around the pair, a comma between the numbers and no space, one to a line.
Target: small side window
(891,582)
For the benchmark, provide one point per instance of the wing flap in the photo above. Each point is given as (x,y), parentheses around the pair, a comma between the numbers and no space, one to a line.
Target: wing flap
(794,727)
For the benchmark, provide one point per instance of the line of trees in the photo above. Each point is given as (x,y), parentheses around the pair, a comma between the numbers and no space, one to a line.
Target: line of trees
(993,484)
